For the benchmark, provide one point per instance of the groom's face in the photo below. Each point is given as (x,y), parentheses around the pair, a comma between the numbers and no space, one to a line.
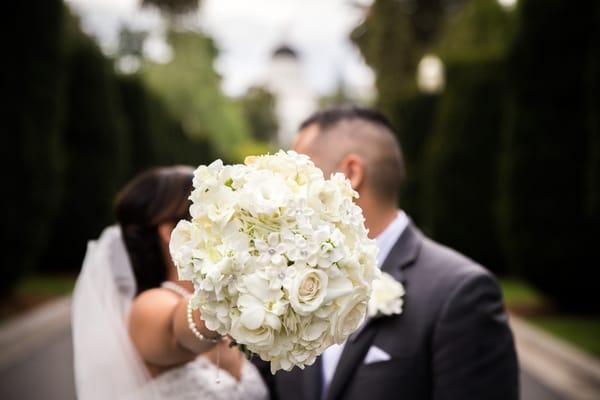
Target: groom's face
(332,153)
(307,143)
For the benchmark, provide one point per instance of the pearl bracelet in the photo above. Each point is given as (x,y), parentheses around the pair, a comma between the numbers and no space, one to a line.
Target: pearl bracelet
(194,328)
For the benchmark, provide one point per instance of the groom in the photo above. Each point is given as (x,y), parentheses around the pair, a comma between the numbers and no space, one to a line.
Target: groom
(452,340)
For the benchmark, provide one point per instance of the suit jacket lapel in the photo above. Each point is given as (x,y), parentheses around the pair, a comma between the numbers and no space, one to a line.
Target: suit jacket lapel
(352,356)
(402,255)
(404,252)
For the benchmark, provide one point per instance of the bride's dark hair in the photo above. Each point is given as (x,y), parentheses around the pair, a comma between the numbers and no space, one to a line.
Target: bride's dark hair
(152,198)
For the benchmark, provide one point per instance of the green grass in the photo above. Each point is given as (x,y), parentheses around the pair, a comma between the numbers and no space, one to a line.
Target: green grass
(33,291)
(519,294)
(581,331)
(36,285)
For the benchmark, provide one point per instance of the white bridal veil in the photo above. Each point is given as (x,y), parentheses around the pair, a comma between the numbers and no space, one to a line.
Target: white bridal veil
(107,365)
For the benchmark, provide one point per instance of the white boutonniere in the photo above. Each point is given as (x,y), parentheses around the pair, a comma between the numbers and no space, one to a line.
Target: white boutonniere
(386,297)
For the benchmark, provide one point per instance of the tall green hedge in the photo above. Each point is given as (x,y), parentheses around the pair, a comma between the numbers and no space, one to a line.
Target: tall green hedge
(157,136)
(505,164)
(551,166)
(32,74)
(414,118)
(146,122)
(389,42)
(593,168)
(75,131)
(450,140)
(460,183)
(393,38)
(98,146)
(115,127)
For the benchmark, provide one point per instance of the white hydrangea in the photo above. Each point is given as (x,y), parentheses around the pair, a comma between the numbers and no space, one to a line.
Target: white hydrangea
(279,256)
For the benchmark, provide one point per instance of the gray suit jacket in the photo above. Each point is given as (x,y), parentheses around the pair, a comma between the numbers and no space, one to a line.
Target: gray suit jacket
(452,340)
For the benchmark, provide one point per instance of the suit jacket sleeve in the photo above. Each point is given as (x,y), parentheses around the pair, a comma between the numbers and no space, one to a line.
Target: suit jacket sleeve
(473,350)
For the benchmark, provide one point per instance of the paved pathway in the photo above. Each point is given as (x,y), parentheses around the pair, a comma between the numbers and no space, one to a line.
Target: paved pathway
(553,367)
(533,389)
(45,375)
(36,356)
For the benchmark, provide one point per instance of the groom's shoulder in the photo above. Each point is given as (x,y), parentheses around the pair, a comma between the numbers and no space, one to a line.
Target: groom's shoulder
(447,267)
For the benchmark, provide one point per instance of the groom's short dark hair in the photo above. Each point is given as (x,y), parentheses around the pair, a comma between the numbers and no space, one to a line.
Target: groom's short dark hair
(371,134)
(328,118)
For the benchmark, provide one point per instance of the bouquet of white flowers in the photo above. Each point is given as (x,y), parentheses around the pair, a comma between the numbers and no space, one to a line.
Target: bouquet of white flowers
(279,256)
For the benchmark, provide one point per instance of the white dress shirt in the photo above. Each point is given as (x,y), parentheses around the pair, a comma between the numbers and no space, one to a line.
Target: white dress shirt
(385,242)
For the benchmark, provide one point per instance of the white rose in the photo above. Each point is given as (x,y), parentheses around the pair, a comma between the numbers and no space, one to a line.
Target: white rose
(261,336)
(308,290)
(349,317)
(386,297)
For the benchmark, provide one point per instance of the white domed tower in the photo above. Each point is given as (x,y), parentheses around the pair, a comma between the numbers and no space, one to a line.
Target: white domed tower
(294,99)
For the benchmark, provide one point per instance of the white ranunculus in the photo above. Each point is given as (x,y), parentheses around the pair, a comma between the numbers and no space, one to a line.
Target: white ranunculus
(386,298)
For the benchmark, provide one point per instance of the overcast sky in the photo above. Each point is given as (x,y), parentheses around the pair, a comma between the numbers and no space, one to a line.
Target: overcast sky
(246,32)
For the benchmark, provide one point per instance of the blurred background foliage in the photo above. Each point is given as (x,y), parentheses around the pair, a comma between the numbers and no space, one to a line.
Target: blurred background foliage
(258,105)
(550,172)
(190,88)
(76,130)
(32,152)
(503,161)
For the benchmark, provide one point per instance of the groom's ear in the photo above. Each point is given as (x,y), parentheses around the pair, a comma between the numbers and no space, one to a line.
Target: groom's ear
(353,166)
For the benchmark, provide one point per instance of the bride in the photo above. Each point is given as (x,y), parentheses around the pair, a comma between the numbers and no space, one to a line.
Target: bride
(132,335)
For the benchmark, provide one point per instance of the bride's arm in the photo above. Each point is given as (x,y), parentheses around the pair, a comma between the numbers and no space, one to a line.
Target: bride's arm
(159,329)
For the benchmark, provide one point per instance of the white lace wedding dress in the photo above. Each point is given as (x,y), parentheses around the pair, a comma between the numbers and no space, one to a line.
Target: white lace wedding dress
(197,380)
(107,365)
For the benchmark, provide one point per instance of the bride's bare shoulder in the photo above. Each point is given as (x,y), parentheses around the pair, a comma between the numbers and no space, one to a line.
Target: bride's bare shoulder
(150,303)
(151,327)
(157,294)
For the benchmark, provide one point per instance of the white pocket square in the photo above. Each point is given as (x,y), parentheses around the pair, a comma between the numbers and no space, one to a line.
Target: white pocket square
(375,354)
